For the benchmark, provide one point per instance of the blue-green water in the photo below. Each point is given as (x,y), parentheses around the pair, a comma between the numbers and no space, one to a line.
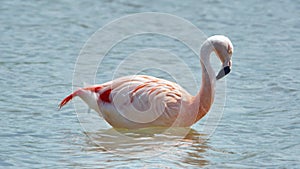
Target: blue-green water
(40,41)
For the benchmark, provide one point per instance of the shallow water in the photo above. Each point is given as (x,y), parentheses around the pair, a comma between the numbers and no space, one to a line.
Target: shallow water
(40,41)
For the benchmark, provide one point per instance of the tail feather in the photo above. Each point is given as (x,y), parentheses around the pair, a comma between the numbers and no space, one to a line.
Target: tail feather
(67,99)
(78,93)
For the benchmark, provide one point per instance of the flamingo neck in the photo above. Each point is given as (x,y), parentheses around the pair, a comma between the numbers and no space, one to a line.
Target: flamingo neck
(205,96)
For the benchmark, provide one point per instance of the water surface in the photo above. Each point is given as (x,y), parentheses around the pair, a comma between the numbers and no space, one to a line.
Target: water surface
(40,41)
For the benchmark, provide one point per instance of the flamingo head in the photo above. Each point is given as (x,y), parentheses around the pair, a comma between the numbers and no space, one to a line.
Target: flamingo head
(224,49)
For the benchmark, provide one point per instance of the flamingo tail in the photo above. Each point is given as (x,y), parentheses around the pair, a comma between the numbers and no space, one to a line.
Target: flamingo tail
(67,99)
(78,93)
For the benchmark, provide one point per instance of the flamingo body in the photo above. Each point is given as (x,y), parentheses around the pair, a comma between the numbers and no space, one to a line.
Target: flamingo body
(152,101)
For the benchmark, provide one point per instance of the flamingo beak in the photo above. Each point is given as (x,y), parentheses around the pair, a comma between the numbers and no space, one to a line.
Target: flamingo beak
(226,69)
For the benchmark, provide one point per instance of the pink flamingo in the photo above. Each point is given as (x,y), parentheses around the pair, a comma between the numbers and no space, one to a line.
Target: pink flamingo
(144,101)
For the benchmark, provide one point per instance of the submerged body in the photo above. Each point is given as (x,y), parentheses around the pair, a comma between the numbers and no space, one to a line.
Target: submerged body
(145,101)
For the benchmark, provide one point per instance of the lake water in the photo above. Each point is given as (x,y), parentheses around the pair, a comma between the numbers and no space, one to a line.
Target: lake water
(41,40)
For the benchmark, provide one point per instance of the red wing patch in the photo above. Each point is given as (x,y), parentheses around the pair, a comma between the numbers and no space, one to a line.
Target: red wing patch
(93,88)
(105,96)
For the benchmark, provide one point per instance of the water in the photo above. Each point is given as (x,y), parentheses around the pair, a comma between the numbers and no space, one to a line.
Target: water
(41,40)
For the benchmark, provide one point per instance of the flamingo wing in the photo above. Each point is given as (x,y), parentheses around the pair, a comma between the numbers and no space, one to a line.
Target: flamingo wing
(134,101)
(139,101)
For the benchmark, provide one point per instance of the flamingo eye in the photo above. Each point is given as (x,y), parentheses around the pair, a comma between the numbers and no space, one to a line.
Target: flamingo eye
(229,50)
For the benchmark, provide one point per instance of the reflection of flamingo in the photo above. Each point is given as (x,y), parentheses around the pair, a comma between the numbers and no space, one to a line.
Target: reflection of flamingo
(145,101)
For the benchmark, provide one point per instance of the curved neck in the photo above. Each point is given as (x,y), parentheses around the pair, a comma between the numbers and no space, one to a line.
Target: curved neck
(205,96)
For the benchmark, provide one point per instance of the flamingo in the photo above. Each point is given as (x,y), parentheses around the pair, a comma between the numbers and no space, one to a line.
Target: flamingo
(140,101)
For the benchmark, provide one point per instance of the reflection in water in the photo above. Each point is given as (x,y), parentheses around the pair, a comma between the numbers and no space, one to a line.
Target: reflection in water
(198,149)
(184,145)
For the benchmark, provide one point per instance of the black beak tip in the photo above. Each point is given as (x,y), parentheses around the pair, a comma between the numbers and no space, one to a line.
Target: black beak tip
(223,72)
